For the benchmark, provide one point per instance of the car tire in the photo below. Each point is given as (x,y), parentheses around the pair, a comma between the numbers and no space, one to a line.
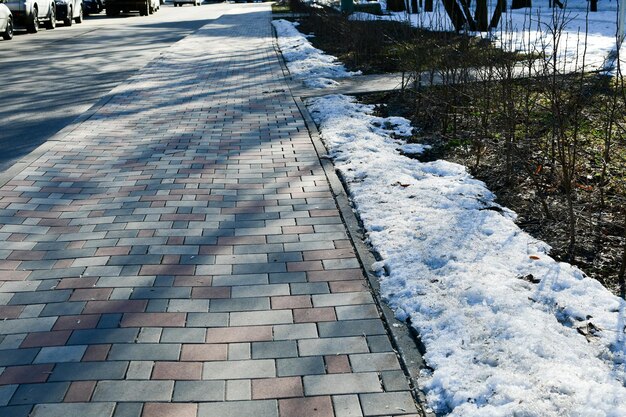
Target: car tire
(68,19)
(81,15)
(8,33)
(52,19)
(33,22)
(112,12)
(146,10)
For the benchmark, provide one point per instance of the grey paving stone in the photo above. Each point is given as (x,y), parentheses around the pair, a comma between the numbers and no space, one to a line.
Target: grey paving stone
(332,346)
(88,371)
(245,279)
(135,260)
(58,354)
(239,304)
(10,357)
(309,288)
(149,335)
(139,370)
(151,292)
(207,319)
(128,410)
(288,277)
(33,310)
(199,391)
(387,404)
(312,365)
(109,321)
(157,305)
(63,309)
(39,297)
(198,306)
(379,344)
(171,335)
(30,325)
(340,299)
(351,328)
(238,389)
(16,411)
(50,392)
(270,350)
(264,408)
(126,281)
(99,336)
(295,331)
(384,361)
(260,290)
(256,318)
(394,381)
(347,406)
(57,273)
(341,384)
(239,351)
(6,392)
(144,351)
(355,312)
(12,341)
(133,391)
(74,410)
(263,368)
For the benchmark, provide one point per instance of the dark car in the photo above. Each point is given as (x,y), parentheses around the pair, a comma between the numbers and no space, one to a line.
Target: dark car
(69,11)
(93,6)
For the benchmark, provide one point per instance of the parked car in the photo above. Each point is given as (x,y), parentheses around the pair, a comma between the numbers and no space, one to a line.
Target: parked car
(29,13)
(180,3)
(70,11)
(6,22)
(145,7)
(92,7)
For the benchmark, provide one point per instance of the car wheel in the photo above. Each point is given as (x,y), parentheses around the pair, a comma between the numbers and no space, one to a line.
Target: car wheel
(112,12)
(52,19)
(33,22)
(79,19)
(68,19)
(8,33)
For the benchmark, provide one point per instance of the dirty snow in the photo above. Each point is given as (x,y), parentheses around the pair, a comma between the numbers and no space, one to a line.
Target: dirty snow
(508,331)
(305,62)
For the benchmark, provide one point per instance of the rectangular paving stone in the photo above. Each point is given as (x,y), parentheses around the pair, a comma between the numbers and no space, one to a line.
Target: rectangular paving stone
(388,404)
(133,391)
(351,328)
(312,365)
(341,299)
(40,297)
(40,393)
(144,352)
(257,318)
(332,346)
(355,312)
(240,304)
(263,368)
(58,354)
(347,406)
(207,319)
(74,410)
(11,357)
(88,371)
(101,336)
(171,335)
(281,349)
(341,384)
(6,392)
(29,325)
(259,408)
(199,391)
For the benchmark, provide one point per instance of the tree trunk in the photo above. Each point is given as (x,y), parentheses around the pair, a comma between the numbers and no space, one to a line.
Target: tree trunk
(497,14)
(481,16)
(428,5)
(520,4)
(622,270)
(455,13)
(593,5)
(471,24)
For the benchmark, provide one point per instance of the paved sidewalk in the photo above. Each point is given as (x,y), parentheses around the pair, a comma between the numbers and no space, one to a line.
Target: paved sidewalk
(180,254)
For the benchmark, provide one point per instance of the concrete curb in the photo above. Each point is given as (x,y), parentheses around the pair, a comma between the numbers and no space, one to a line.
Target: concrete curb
(404,339)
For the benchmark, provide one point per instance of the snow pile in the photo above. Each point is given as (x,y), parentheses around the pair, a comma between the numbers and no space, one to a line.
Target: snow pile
(304,61)
(507,330)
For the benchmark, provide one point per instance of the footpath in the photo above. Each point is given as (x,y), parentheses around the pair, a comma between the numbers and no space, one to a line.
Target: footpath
(179,253)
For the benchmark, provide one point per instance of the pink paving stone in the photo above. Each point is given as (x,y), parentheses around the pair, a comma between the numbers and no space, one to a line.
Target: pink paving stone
(153,320)
(170,259)
(276,388)
(8,266)
(145,233)
(177,370)
(313,315)
(343,244)
(239,334)
(79,391)
(27,255)
(348,286)
(86,321)
(14,275)
(27,374)
(289,230)
(169,410)
(96,353)
(204,352)
(241,240)
(176,240)
(91,294)
(337,364)
(193,281)
(210,292)
(304,266)
(323,213)
(68,283)
(10,312)
(115,306)
(328,254)
(63,263)
(43,339)
(216,250)
(335,275)
(306,407)
(17,237)
(167,270)
(291,301)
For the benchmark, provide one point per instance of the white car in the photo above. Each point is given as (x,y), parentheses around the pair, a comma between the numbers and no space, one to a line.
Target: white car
(70,11)
(30,13)
(6,22)
(180,3)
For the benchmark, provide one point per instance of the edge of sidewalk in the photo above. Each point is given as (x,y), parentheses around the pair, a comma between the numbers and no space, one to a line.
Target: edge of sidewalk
(404,339)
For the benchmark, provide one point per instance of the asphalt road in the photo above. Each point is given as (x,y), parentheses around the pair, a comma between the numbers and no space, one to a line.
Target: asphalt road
(49,78)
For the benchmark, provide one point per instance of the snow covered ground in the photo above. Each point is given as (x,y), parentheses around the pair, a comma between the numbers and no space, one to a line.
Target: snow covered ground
(530,30)
(306,62)
(508,331)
